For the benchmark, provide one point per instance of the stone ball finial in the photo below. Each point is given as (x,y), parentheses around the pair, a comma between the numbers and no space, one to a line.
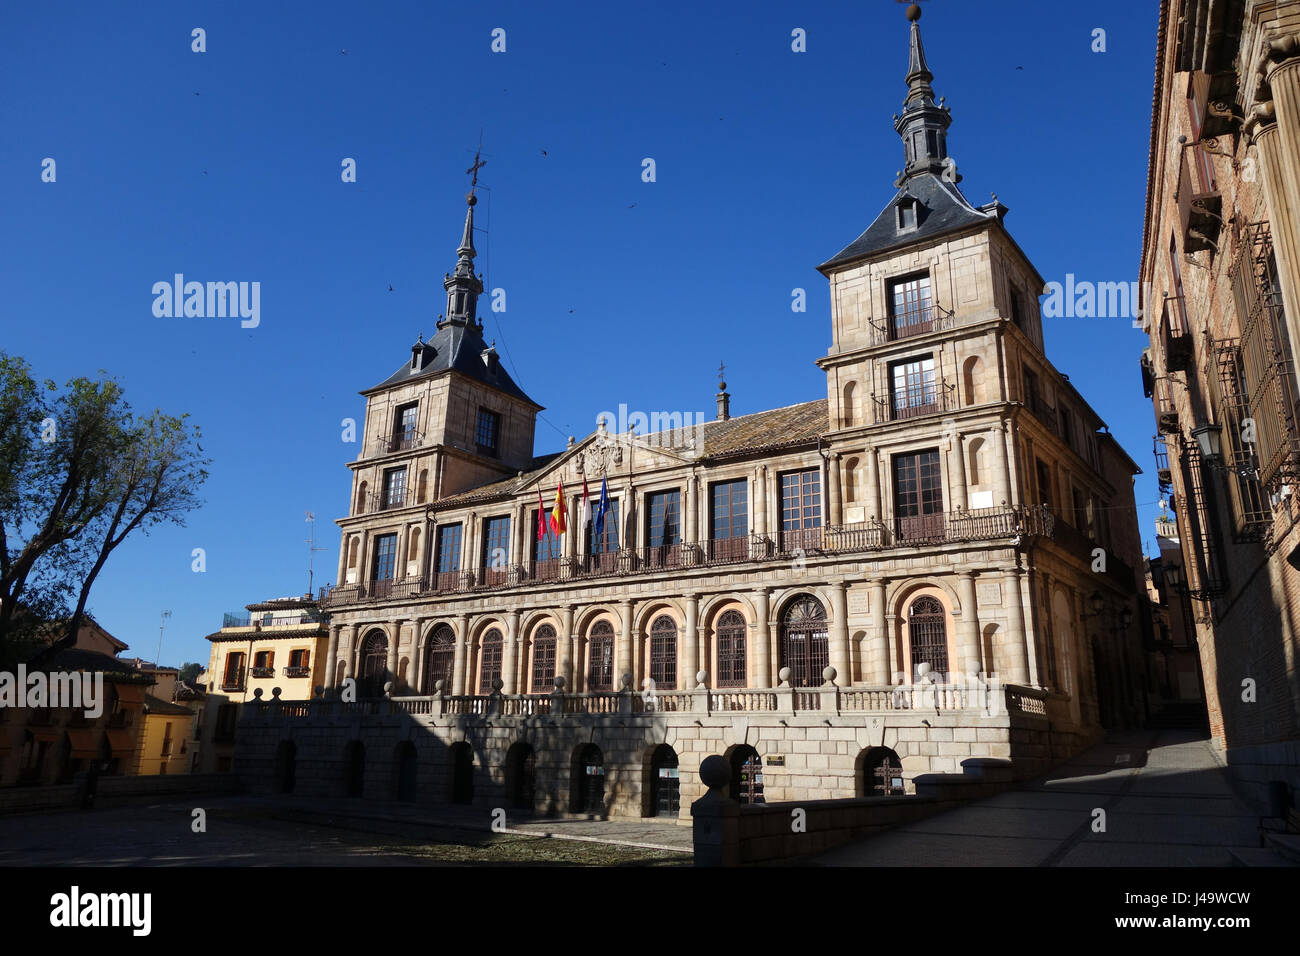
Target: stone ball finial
(388,688)
(828,674)
(914,12)
(715,772)
(701,677)
(783,675)
(471,200)
(318,691)
(257,693)
(627,681)
(275,692)
(437,685)
(559,682)
(497,684)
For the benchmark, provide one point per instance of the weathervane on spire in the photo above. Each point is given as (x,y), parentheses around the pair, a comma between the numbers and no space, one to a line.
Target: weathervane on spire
(473,171)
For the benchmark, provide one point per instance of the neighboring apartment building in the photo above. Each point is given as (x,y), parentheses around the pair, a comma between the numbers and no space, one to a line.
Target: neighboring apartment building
(828,594)
(272,644)
(1221,270)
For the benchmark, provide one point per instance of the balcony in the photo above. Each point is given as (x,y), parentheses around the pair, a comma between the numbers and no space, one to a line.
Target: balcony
(1164,475)
(237,619)
(1166,411)
(260,671)
(1176,335)
(403,441)
(931,318)
(935,400)
(297,670)
(1199,202)
(920,529)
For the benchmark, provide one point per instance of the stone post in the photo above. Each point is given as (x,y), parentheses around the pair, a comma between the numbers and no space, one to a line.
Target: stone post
(715,817)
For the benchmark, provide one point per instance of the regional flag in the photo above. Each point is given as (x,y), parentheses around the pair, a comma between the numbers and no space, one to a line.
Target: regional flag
(602,506)
(541,516)
(584,508)
(558,524)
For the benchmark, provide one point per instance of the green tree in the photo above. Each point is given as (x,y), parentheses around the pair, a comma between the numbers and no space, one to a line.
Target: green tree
(190,671)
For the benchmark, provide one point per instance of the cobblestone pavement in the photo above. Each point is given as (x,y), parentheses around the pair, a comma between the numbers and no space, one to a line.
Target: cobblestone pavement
(1166,798)
(258,831)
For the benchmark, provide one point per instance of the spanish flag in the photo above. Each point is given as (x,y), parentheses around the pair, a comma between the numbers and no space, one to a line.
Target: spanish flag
(558,525)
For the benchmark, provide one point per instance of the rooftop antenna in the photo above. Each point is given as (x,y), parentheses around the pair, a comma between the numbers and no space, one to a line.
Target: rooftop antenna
(311,551)
(157,661)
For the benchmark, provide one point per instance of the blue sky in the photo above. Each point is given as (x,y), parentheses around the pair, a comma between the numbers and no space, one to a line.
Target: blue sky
(768,162)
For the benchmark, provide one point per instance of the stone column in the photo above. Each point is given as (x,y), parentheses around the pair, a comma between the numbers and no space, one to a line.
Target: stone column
(957,472)
(840,635)
(624,655)
(871,462)
(566,645)
(1276,160)
(331,655)
(759,495)
(1015,646)
(835,497)
(393,641)
(355,672)
(689,512)
(510,656)
(417,657)
(519,537)
(761,651)
(1002,473)
(968,636)
(879,639)
(689,653)
(460,662)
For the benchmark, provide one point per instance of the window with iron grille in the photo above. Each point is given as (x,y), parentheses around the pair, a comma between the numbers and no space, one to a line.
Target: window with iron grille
(663,653)
(804,645)
(1250,510)
(664,518)
(600,657)
(914,387)
(729,517)
(489,661)
(731,650)
(801,500)
(1204,565)
(385,557)
(544,660)
(927,635)
(448,560)
(912,309)
(487,431)
(394,487)
(496,542)
(440,660)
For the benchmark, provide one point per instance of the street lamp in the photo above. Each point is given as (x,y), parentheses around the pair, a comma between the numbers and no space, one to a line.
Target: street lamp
(1210,439)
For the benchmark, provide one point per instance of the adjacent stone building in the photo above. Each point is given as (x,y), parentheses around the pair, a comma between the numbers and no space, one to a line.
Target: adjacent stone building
(1221,270)
(928,569)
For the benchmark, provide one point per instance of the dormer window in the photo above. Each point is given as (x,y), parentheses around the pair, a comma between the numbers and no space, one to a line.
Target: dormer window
(907,215)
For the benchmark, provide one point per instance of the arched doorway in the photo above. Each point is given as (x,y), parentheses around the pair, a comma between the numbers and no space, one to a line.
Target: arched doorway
(731,650)
(665,785)
(805,648)
(374,664)
(286,760)
(746,775)
(589,780)
(600,657)
(462,773)
(880,772)
(439,659)
(406,770)
(663,653)
(521,776)
(354,768)
(927,635)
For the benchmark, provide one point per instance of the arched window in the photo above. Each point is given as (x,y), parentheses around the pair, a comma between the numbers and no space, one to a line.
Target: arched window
(544,660)
(600,657)
(374,664)
(927,635)
(489,661)
(439,659)
(663,653)
(804,645)
(731,650)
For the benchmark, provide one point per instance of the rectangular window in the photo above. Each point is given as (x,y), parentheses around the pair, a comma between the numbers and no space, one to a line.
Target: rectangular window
(729,520)
(299,658)
(801,509)
(602,549)
(385,557)
(918,496)
(1044,475)
(404,426)
(663,524)
(496,544)
(487,432)
(914,389)
(447,559)
(1067,425)
(546,552)
(394,488)
(1079,501)
(1017,308)
(912,310)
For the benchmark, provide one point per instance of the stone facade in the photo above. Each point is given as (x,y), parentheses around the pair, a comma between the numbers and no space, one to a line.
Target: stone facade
(1221,269)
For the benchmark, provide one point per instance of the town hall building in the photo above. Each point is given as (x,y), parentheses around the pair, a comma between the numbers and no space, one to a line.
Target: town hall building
(929,569)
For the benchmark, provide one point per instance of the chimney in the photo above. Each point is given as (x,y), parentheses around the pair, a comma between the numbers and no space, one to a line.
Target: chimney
(724,402)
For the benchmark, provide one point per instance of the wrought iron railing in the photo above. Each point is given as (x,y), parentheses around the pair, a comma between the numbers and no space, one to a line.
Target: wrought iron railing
(907,404)
(1176,334)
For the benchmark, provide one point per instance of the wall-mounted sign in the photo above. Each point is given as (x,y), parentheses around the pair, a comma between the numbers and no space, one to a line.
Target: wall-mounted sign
(775,760)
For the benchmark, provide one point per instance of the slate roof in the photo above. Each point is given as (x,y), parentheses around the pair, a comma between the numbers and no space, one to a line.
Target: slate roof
(457,348)
(496,489)
(942,209)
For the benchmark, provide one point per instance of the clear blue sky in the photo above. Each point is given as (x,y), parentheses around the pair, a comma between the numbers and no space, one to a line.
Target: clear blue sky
(768,162)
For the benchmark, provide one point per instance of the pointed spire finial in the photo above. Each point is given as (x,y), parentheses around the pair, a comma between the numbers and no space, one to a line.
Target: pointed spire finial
(923,125)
